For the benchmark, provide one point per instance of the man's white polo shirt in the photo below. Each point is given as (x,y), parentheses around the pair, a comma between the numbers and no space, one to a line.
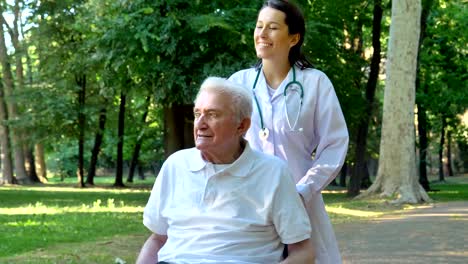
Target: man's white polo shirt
(241,214)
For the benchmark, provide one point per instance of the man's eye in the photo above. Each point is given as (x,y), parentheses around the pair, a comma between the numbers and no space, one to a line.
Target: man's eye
(196,115)
(213,115)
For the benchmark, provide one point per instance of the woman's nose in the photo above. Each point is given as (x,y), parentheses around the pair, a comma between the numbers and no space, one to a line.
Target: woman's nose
(263,32)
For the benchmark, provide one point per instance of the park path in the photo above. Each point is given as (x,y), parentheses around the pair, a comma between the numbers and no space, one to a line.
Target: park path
(433,234)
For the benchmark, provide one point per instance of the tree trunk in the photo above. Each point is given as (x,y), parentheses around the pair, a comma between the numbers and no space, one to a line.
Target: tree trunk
(360,168)
(34,168)
(423,146)
(366,181)
(449,153)
(7,164)
(30,165)
(343,172)
(141,172)
(97,146)
(40,165)
(134,162)
(422,116)
(357,42)
(136,150)
(397,163)
(21,176)
(81,82)
(178,128)
(121,127)
(441,150)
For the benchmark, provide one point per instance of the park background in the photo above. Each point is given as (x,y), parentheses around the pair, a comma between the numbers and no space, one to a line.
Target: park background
(95,94)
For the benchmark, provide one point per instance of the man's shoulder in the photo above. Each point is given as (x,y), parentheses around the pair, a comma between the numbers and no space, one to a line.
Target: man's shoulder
(182,157)
(266,159)
(241,75)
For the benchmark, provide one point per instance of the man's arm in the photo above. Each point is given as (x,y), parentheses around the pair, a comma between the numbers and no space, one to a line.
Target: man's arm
(300,253)
(149,251)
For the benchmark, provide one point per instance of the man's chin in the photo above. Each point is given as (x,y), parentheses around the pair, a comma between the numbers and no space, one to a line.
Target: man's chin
(201,146)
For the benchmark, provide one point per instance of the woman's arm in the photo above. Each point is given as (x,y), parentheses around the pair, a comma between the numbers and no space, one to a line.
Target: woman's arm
(300,253)
(332,136)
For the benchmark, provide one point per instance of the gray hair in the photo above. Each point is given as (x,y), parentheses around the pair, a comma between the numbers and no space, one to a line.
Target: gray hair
(240,96)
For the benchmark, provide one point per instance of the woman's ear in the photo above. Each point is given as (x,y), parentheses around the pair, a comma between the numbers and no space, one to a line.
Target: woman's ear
(294,40)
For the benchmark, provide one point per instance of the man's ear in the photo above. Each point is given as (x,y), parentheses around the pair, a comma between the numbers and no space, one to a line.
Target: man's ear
(244,125)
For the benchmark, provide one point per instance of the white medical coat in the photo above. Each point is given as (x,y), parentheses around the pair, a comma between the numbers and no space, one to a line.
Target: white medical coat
(315,154)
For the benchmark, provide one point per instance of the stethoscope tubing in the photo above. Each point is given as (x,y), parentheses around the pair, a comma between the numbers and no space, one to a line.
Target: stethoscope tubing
(288,85)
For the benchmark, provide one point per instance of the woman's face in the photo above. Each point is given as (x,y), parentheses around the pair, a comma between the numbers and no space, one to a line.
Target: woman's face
(271,36)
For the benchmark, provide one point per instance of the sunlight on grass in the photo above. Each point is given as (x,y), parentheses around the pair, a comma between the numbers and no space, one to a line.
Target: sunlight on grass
(28,223)
(72,189)
(95,207)
(352,212)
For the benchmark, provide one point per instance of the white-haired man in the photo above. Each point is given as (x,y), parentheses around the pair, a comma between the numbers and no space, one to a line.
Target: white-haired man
(222,202)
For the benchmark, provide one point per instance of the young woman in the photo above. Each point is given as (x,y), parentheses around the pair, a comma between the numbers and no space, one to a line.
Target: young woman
(297,116)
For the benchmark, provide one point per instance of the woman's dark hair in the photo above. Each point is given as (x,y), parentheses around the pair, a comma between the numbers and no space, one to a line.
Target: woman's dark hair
(296,24)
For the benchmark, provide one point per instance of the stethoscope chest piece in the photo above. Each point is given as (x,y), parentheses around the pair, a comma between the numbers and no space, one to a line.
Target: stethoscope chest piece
(293,87)
(263,133)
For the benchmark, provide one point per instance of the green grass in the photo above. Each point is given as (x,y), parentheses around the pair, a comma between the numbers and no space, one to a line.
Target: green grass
(344,209)
(60,223)
(102,181)
(447,192)
(39,217)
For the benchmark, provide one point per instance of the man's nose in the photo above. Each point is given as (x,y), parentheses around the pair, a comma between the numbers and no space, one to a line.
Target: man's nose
(200,122)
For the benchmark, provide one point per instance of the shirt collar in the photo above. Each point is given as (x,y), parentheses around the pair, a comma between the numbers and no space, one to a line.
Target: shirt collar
(239,168)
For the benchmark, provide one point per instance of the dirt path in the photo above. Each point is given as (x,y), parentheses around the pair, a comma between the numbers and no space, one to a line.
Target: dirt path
(432,234)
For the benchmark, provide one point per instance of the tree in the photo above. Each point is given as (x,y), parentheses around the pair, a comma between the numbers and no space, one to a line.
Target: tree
(360,168)
(422,115)
(97,146)
(8,79)
(136,151)
(339,36)
(441,84)
(63,40)
(7,164)
(397,163)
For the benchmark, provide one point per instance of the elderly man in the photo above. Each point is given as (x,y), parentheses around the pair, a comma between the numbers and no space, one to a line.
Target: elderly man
(222,202)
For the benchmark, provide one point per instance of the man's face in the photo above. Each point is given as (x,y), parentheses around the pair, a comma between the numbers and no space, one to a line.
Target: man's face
(215,129)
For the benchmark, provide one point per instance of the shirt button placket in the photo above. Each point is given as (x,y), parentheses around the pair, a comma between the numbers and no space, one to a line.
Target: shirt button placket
(208,194)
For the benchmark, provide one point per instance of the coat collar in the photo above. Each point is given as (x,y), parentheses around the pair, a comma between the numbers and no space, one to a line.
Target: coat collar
(262,88)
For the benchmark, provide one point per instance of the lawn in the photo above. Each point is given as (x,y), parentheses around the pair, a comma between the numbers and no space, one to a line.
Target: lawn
(57,220)
(59,223)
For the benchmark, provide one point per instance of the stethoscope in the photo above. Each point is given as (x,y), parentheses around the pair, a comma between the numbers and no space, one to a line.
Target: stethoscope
(264,132)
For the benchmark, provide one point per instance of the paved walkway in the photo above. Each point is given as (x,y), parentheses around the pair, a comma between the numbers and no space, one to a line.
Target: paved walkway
(433,234)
